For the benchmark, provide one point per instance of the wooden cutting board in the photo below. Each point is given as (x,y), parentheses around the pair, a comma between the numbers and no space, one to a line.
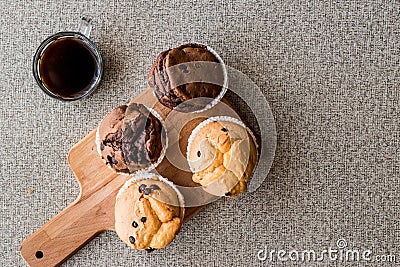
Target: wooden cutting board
(93,211)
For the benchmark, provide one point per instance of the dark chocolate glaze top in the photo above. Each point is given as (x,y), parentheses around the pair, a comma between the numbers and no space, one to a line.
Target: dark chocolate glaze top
(110,134)
(166,81)
(141,137)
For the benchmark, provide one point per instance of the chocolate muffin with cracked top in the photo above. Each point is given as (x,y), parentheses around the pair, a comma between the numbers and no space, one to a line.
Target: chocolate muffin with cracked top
(142,137)
(173,86)
(129,138)
(149,212)
(109,139)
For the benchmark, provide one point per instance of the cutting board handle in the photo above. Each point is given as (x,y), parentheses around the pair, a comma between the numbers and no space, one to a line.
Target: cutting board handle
(60,237)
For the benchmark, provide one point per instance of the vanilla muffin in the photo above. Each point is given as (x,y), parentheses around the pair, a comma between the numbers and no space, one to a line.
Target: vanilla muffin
(149,212)
(131,138)
(222,154)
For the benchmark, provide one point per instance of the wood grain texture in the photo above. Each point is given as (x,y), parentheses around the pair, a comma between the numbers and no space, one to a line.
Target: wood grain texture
(93,211)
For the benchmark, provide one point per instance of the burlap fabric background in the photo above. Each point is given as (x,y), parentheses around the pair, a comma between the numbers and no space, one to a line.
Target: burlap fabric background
(330,72)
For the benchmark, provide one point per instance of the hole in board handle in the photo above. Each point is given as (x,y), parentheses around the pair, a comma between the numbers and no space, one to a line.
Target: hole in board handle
(39,254)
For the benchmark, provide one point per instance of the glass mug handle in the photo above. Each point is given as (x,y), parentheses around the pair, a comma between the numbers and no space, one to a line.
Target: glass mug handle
(82,33)
(85,26)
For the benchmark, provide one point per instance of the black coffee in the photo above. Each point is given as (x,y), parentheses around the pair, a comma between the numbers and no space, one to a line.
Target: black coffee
(67,67)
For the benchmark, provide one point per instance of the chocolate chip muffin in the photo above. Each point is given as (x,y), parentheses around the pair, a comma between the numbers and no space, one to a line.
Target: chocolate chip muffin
(131,138)
(149,212)
(174,86)
(222,154)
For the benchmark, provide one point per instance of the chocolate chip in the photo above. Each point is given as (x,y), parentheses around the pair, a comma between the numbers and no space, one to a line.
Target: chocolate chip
(155,187)
(143,219)
(150,249)
(224,129)
(197,65)
(147,191)
(142,187)
(228,194)
(198,153)
(135,224)
(132,240)
(102,147)
(112,160)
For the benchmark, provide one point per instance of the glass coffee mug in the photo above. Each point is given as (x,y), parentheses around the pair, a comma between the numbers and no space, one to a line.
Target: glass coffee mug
(68,65)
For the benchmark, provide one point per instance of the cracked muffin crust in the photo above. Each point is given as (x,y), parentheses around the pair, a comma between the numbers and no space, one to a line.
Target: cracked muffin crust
(109,139)
(222,154)
(149,212)
(129,138)
(167,81)
(141,137)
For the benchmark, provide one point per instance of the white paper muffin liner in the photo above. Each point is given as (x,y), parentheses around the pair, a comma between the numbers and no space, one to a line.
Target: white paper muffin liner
(214,119)
(152,165)
(143,175)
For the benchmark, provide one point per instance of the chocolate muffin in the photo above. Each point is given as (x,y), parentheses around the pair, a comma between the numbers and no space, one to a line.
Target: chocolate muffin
(222,154)
(173,86)
(149,212)
(142,137)
(109,139)
(130,138)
